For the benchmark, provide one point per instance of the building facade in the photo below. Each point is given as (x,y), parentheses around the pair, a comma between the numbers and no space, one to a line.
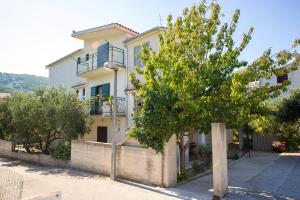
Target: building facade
(293,77)
(86,72)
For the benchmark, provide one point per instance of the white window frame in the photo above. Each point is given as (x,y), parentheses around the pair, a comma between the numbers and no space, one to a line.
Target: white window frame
(136,51)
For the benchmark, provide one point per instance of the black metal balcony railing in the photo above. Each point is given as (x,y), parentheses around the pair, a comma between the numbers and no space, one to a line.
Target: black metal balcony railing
(103,106)
(105,53)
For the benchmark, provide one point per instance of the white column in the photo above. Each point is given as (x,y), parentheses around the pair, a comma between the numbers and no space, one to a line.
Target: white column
(219,151)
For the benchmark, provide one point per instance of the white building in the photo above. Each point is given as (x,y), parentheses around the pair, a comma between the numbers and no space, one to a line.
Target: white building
(83,72)
(293,77)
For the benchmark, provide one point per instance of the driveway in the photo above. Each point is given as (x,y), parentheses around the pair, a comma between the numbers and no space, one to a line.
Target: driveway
(264,176)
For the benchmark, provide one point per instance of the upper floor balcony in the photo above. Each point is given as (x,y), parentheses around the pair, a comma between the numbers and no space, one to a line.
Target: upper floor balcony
(93,64)
(103,106)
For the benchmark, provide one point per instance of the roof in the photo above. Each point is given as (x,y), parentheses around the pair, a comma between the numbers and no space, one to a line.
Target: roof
(79,85)
(3,95)
(104,27)
(61,59)
(157,28)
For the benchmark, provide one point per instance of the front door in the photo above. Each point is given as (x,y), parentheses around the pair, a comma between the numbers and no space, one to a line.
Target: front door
(102,134)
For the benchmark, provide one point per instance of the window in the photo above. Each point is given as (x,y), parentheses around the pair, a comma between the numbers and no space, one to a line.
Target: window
(87,57)
(102,90)
(138,104)
(282,78)
(78,60)
(83,92)
(137,60)
(137,52)
(77,92)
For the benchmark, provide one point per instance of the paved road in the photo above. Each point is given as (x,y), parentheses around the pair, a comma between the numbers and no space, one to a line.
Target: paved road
(264,176)
(76,185)
(282,179)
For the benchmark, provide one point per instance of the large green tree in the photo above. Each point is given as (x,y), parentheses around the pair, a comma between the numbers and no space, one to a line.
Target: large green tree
(38,119)
(197,77)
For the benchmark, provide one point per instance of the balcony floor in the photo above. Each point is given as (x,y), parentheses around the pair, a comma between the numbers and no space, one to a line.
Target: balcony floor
(93,73)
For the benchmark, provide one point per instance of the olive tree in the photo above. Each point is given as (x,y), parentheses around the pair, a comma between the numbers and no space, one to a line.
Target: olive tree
(38,119)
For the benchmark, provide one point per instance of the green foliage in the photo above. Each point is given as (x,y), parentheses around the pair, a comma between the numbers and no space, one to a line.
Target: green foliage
(4,119)
(290,108)
(158,117)
(292,141)
(198,168)
(234,156)
(25,119)
(182,177)
(37,119)
(282,119)
(20,82)
(62,151)
(197,77)
(204,150)
(1,133)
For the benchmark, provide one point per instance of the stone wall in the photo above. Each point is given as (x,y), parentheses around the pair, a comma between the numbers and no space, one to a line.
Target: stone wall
(91,156)
(6,147)
(140,164)
(134,162)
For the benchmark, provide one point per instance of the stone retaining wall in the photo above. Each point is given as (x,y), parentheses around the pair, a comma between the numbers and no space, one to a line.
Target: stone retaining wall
(42,159)
(134,162)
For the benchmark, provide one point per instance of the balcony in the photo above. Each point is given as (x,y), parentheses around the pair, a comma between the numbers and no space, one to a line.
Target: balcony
(103,106)
(93,64)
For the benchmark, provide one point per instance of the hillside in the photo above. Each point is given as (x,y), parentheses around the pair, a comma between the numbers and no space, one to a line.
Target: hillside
(20,82)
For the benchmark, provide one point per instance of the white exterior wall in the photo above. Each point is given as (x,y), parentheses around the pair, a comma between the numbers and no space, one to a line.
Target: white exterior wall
(292,76)
(153,40)
(64,73)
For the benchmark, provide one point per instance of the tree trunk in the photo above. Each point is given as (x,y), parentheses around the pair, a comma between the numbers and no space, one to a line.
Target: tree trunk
(27,148)
(181,155)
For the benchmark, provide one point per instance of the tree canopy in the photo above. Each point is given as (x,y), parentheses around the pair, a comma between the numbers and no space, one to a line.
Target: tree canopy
(197,77)
(282,119)
(290,108)
(38,119)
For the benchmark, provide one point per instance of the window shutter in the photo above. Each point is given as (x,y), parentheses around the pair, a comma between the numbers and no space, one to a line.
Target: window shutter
(93,91)
(102,54)
(93,102)
(106,90)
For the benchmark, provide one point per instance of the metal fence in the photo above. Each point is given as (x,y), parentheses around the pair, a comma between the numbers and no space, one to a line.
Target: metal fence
(11,185)
(263,142)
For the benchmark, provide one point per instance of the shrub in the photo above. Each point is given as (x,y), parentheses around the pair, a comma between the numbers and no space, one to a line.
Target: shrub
(1,133)
(182,176)
(198,167)
(292,141)
(62,151)
(204,151)
(234,156)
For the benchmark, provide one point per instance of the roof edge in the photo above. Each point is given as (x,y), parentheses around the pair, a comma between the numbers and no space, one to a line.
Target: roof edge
(156,28)
(103,27)
(64,57)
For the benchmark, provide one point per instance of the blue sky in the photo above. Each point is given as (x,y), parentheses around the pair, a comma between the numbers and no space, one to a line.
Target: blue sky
(37,32)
